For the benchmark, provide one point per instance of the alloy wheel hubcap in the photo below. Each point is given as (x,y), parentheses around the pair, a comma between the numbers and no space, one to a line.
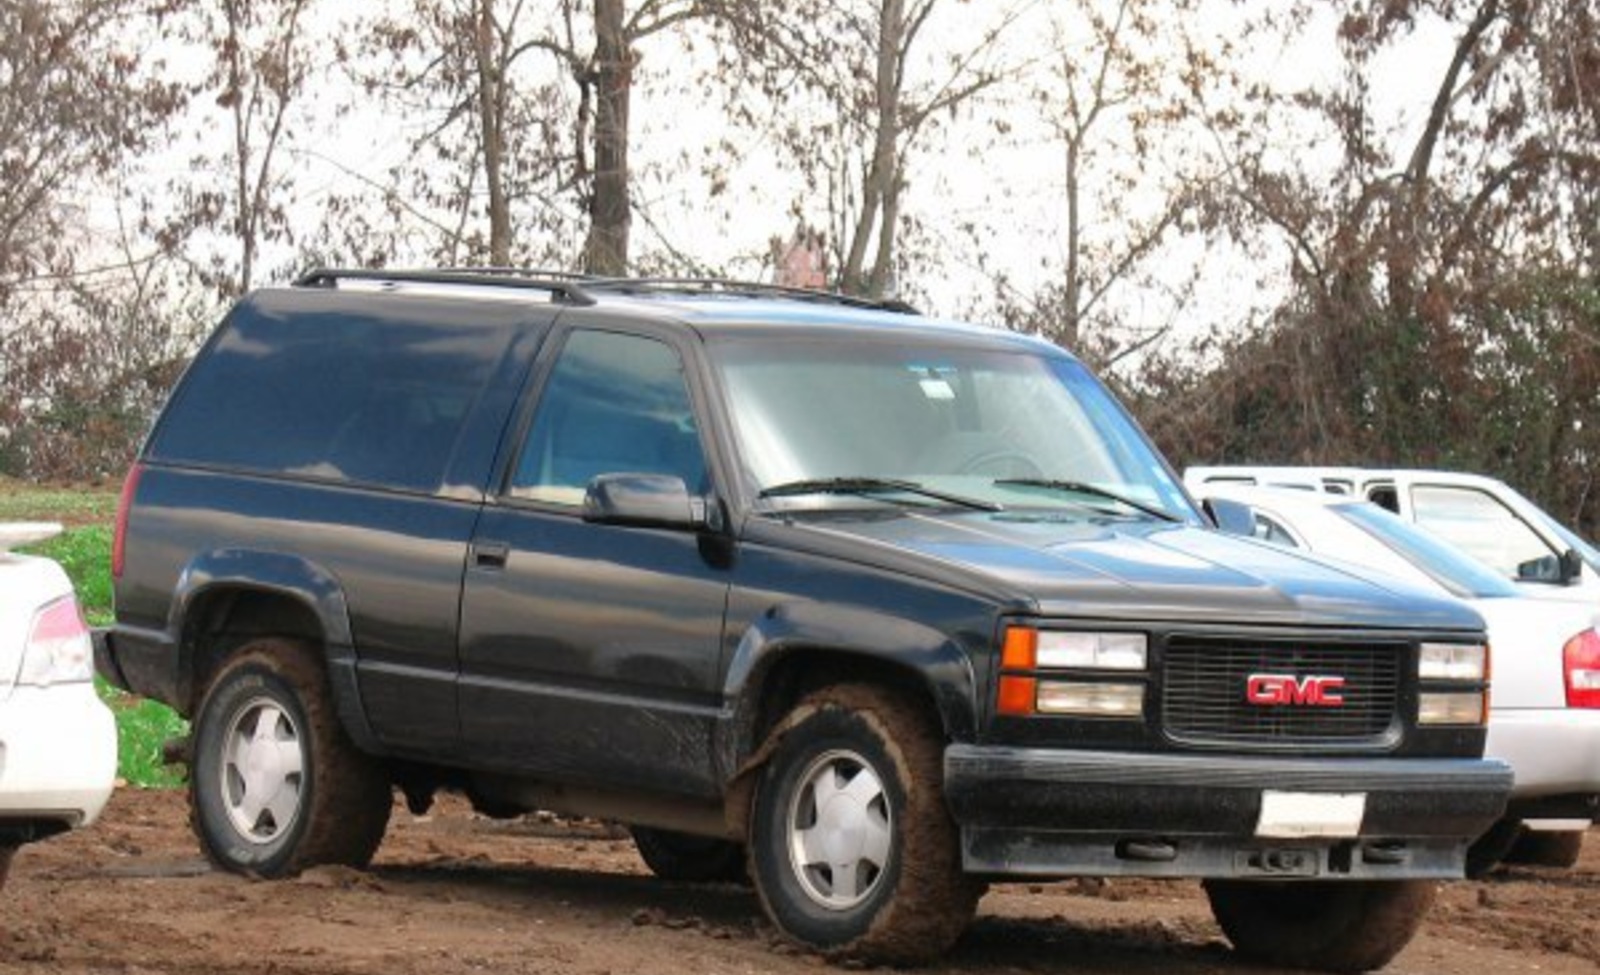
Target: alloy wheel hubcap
(840,830)
(263,771)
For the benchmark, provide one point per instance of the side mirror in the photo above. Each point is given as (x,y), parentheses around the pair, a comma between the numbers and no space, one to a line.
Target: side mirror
(1232,517)
(1556,570)
(645,501)
(1571,567)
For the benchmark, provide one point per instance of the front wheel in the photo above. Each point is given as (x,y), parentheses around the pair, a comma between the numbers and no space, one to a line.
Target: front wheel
(275,785)
(1331,926)
(851,847)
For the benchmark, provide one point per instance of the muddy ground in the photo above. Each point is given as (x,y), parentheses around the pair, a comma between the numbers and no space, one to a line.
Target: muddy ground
(453,893)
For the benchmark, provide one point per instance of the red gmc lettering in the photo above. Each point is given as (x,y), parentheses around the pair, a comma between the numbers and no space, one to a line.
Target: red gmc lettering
(1271,690)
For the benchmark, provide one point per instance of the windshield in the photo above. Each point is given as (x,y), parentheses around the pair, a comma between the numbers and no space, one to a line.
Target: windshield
(1012,427)
(1447,565)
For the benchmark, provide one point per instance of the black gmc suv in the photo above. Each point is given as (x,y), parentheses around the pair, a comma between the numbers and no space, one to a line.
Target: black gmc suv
(874,607)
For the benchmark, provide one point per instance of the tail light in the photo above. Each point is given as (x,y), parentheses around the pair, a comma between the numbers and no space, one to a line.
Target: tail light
(58,650)
(130,484)
(1581,663)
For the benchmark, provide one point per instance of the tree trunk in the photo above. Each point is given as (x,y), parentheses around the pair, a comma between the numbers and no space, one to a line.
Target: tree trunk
(491,118)
(606,250)
(1072,296)
(882,172)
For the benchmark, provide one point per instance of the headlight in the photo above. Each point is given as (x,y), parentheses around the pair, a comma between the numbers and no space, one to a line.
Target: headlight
(1031,659)
(1453,661)
(1091,700)
(1027,648)
(1463,708)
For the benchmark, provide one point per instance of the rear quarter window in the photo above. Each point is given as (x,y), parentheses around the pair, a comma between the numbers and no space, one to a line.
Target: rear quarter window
(375,394)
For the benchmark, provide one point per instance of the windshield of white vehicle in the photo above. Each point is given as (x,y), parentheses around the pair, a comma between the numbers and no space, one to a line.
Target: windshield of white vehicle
(1447,565)
(1009,428)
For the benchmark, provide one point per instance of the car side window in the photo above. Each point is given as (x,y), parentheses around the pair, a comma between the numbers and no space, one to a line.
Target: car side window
(1477,523)
(614,404)
(1269,530)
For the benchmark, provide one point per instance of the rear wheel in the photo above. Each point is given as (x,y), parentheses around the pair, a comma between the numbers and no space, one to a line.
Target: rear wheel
(852,849)
(688,858)
(275,784)
(1553,849)
(1334,926)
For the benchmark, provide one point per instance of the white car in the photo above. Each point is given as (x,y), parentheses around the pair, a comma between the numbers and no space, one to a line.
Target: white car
(58,741)
(1484,517)
(1545,712)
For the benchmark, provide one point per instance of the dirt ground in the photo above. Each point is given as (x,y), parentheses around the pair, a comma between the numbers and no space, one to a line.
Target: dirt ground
(454,893)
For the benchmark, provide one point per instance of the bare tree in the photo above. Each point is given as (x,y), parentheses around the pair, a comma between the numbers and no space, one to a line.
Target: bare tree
(260,57)
(533,106)
(75,104)
(866,74)
(1112,99)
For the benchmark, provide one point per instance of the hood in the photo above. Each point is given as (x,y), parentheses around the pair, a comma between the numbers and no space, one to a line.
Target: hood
(1067,565)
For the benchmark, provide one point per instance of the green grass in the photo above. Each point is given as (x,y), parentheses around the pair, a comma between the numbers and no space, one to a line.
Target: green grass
(70,506)
(143,726)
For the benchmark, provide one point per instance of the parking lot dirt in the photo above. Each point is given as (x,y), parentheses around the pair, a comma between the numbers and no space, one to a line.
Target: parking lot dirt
(451,892)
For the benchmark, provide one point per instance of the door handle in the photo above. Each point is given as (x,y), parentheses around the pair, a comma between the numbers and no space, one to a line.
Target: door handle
(491,555)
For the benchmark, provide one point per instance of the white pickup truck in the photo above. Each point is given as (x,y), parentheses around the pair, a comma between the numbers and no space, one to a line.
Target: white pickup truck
(58,742)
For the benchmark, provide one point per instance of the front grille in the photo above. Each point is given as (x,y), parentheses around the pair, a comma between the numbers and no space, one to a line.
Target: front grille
(1203,693)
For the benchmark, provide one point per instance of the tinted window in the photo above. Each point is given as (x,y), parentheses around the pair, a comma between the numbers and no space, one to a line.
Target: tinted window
(614,404)
(363,398)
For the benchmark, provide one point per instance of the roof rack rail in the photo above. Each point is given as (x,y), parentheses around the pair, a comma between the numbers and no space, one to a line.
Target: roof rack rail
(746,289)
(560,285)
(510,271)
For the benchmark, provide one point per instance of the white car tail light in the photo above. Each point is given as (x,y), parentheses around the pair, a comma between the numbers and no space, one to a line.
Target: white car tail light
(58,649)
(1581,664)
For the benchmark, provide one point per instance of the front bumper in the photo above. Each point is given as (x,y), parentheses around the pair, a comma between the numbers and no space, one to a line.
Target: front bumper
(58,760)
(1047,812)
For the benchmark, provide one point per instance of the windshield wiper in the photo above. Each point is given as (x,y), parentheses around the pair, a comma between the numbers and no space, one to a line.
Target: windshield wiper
(1090,489)
(872,485)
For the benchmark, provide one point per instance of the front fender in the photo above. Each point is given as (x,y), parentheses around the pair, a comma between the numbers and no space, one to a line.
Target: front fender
(937,661)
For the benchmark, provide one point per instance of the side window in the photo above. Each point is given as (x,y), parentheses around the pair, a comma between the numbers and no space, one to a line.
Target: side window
(1269,530)
(1384,496)
(614,404)
(347,394)
(1481,526)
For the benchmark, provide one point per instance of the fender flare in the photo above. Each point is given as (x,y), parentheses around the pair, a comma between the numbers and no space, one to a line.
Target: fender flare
(291,577)
(943,664)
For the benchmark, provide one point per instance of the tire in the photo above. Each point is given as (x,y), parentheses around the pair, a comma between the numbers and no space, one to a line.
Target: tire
(1333,926)
(7,852)
(1488,850)
(1553,849)
(689,859)
(275,784)
(903,898)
